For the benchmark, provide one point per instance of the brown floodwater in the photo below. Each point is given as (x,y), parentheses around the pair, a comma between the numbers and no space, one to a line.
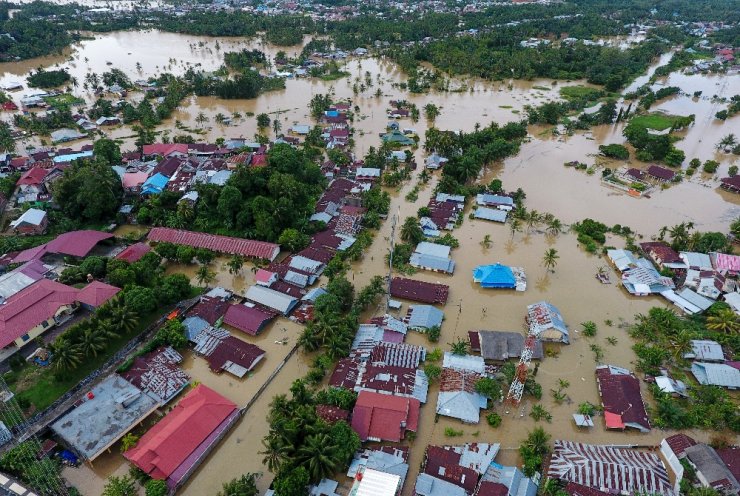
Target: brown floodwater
(568,194)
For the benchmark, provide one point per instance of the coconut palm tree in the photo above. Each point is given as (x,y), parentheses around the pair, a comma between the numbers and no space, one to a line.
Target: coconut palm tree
(275,453)
(319,456)
(276,126)
(201,119)
(550,259)
(205,275)
(724,320)
(728,141)
(549,487)
(681,344)
(533,219)
(516,226)
(91,342)
(235,264)
(586,408)
(486,243)
(538,441)
(219,118)
(66,356)
(554,227)
(411,231)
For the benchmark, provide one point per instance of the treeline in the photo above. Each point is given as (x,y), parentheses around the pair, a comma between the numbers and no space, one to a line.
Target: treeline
(244,60)
(28,38)
(247,84)
(48,79)
(258,203)
(280,30)
(498,56)
(469,152)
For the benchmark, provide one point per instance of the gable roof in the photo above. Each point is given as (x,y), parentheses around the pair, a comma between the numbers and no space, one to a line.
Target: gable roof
(712,468)
(134,252)
(502,345)
(383,417)
(460,465)
(96,293)
(221,244)
(235,356)
(158,374)
(457,396)
(608,469)
(166,445)
(32,216)
(716,374)
(250,320)
(621,397)
(31,306)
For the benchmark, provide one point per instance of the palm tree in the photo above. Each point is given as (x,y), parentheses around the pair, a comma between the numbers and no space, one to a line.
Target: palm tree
(459,347)
(549,487)
(235,264)
(550,259)
(319,455)
(586,408)
(724,320)
(516,226)
(537,441)
(219,118)
(123,317)
(533,219)
(728,141)
(486,243)
(91,341)
(276,451)
(589,328)
(276,126)
(201,119)
(205,275)
(554,227)
(411,231)
(681,344)
(66,356)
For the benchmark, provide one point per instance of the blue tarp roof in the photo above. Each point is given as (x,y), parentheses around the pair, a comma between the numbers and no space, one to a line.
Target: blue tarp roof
(155,184)
(494,276)
(60,159)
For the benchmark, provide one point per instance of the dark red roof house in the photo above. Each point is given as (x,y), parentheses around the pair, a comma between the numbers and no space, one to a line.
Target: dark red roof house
(661,253)
(33,177)
(574,489)
(331,414)
(679,443)
(660,173)
(423,292)
(731,184)
(250,320)
(171,449)
(235,356)
(621,399)
(134,252)
(73,243)
(9,106)
(209,309)
(165,149)
(345,375)
(381,417)
(731,457)
(445,464)
(636,173)
(168,166)
(96,293)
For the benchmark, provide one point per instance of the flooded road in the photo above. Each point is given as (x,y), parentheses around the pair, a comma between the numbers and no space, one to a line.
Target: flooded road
(568,194)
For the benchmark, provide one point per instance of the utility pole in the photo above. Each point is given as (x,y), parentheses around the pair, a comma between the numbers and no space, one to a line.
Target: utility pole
(390,260)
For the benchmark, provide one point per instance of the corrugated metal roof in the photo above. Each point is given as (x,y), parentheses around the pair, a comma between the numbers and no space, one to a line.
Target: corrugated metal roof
(221,244)
(491,214)
(273,299)
(706,350)
(716,374)
(433,249)
(424,317)
(430,262)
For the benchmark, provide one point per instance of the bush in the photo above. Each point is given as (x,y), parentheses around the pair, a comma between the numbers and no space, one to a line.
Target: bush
(710,166)
(156,488)
(450,432)
(617,151)
(433,334)
(493,419)
(732,170)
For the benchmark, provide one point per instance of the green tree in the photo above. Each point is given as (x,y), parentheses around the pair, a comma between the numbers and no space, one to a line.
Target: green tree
(550,259)
(724,320)
(128,441)
(488,387)
(293,240)
(459,347)
(263,121)
(246,485)
(431,111)
(119,486)
(586,408)
(156,487)
(294,483)
(433,372)
(205,275)
(319,456)
(108,151)
(411,231)
(235,264)
(88,190)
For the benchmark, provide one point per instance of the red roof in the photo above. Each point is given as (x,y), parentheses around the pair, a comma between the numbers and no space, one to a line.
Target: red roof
(660,250)
(31,306)
(660,172)
(76,243)
(134,252)
(383,417)
(620,395)
(222,244)
(209,309)
(731,457)
(331,414)
(424,292)
(445,464)
(579,490)
(32,177)
(679,442)
(488,488)
(263,276)
(96,293)
(236,351)
(247,319)
(166,445)
(732,182)
(345,374)
(165,149)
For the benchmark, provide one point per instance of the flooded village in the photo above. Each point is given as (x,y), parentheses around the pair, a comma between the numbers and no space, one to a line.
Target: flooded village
(342,286)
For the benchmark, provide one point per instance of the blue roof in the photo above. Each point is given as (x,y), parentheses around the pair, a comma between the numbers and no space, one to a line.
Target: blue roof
(424,316)
(332,113)
(492,214)
(72,156)
(494,276)
(155,184)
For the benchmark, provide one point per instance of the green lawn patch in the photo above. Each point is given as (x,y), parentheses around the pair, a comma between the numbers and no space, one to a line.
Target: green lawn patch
(584,93)
(64,101)
(658,122)
(41,387)
(333,76)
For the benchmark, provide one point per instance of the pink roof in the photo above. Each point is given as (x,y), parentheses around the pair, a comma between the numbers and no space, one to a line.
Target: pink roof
(165,446)
(613,420)
(96,293)
(384,417)
(76,243)
(165,149)
(222,244)
(134,252)
(247,319)
(134,179)
(263,276)
(31,306)
(722,261)
(32,176)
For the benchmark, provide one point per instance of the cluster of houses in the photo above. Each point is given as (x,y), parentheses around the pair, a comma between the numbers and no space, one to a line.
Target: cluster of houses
(443,213)
(694,281)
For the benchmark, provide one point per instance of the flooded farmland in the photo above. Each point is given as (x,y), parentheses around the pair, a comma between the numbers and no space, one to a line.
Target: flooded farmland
(538,169)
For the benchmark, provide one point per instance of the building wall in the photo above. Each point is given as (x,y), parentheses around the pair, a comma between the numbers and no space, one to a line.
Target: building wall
(44,326)
(673,463)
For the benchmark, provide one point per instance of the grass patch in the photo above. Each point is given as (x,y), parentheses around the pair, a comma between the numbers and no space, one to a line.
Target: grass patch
(42,387)
(584,93)
(333,76)
(64,101)
(658,122)
(541,88)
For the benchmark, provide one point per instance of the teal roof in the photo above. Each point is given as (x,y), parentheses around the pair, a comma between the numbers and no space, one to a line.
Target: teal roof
(494,276)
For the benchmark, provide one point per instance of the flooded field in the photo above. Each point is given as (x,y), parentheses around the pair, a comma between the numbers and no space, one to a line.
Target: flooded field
(568,194)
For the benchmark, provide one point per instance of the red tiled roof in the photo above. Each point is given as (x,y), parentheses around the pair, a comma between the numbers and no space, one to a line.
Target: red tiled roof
(679,442)
(620,394)
(247,319)
(384,417)
(222,244)
(32,305)
(657,249)
(488,488)
(579,490)
(209,309)
(424,292)
(134,252)
(166,445)
(33,176)
(445,464)
(96,293)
